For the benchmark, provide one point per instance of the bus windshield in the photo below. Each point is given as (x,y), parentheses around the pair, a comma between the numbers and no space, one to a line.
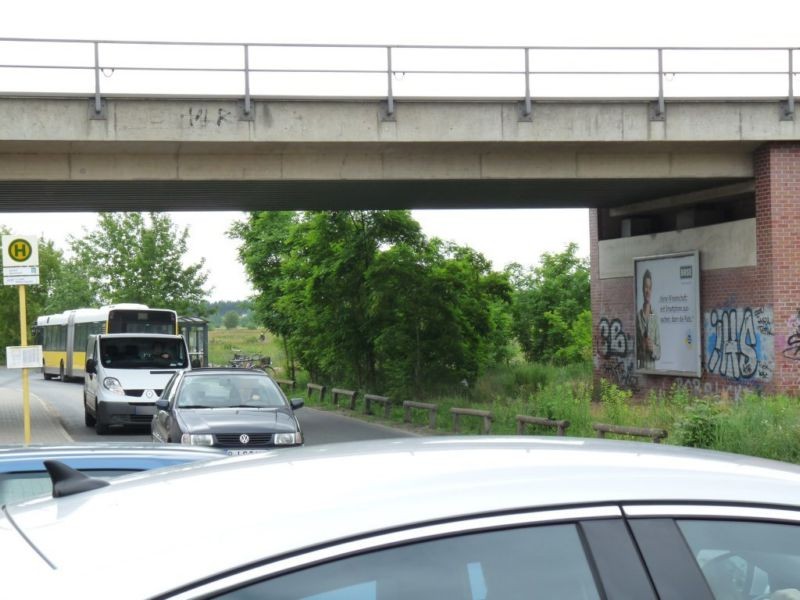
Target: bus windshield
(142,321)
(143,353)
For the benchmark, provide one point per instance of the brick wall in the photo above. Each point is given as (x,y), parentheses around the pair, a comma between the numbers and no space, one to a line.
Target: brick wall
(777,176)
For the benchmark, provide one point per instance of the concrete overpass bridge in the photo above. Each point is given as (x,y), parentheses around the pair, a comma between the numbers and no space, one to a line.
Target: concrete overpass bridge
(663,175)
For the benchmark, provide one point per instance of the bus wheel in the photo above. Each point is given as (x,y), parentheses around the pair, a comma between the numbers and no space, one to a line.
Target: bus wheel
(61,376)
(44,373)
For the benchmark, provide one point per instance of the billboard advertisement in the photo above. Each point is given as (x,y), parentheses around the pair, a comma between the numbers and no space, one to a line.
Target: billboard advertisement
(668,318)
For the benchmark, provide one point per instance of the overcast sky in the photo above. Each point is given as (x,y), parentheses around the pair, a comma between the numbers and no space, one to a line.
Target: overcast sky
(503,236)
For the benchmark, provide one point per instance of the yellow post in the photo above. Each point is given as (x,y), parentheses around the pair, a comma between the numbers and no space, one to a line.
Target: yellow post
(23,334)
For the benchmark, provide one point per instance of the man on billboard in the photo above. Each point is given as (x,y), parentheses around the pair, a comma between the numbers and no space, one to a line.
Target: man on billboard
(648,337)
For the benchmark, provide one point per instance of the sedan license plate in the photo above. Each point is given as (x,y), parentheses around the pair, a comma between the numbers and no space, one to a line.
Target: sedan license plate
(241,451)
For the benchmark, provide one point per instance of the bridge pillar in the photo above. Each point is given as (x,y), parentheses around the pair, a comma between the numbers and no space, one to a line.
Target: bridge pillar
(749,306)
(777,179)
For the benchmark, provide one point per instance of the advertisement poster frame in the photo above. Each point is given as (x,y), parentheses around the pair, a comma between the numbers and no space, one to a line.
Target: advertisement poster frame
(674,314)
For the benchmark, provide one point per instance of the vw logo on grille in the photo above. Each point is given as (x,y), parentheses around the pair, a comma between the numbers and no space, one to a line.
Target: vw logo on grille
(244,439)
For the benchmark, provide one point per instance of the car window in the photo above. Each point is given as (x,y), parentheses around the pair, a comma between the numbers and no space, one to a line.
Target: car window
(16,487)
(167,393)
(221,391)
(536,562)
(746,560)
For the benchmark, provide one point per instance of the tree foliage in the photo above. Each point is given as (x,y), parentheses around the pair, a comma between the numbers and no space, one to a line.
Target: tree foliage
(550,307)
(363,298)
(231,320)
(134,257)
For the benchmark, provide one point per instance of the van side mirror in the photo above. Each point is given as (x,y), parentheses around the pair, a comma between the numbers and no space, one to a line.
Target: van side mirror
(162,404)
(91,366)
(297,403)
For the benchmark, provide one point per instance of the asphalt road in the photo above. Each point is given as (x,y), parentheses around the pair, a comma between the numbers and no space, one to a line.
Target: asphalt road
(319,427)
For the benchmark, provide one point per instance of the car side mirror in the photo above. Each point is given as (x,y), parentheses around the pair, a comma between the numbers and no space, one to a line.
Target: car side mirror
(297,403)
(162,404)
(91,366)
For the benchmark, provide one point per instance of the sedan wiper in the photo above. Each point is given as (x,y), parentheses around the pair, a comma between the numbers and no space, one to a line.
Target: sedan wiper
(197,406)
(250,406)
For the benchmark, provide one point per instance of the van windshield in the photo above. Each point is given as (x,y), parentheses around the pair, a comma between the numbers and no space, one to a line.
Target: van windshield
(142,353)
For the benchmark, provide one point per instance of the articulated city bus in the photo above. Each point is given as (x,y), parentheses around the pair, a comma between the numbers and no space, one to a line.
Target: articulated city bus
(64,336)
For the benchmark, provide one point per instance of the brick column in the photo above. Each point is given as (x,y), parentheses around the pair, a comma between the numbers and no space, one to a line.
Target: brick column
(777,181)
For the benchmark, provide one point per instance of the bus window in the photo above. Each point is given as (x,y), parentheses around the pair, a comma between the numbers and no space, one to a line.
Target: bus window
(142,321)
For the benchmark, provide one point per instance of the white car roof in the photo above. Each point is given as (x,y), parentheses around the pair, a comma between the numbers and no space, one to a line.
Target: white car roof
(204,518)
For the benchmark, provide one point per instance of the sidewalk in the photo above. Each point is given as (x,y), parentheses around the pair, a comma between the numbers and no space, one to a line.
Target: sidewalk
(45,426)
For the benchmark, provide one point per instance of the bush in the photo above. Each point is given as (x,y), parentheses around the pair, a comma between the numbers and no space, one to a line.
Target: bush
(231,320)
(699,425)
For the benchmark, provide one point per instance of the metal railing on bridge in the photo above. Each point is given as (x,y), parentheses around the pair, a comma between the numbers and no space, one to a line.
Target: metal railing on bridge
(103,68)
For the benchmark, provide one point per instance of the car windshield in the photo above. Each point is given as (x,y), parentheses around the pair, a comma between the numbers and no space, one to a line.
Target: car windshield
(142,353)
(229,391)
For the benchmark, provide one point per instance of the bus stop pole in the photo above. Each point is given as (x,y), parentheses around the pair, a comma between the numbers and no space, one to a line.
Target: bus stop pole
(23,334)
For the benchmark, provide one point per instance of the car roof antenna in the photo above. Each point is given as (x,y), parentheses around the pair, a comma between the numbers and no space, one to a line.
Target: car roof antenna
(68,481)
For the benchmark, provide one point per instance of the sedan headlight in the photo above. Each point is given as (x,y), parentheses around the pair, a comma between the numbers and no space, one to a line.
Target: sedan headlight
(113,385)
(287,439)
(193,439)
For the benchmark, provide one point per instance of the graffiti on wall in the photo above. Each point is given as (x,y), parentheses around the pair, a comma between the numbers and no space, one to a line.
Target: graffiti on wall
(199,117)
(616,352)
(792,350)
(700,388)
(740,343)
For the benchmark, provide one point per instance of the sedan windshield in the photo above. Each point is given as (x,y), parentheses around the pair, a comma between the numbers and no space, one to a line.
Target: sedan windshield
(230,391)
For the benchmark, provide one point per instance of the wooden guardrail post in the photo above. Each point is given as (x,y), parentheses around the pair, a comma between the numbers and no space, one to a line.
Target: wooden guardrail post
(289,384)
(656,435)
(315,387)
(336,392)
(385,400)
(472,412)
(523,420)
(431,408)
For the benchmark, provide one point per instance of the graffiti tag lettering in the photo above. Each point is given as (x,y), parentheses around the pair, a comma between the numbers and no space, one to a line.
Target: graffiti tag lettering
(613,339)
(792,350)
(616,348)
(198,118)
(740,343)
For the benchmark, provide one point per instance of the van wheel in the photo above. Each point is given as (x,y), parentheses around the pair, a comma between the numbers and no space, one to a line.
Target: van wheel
(99,427)
(87,416)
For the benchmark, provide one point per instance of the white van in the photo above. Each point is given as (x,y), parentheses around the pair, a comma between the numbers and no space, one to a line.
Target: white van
(125,375)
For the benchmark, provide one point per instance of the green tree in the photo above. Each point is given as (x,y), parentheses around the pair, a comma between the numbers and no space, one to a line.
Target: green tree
(549,306)
(439,312)
(133,257)
(231,320)
(362,298)
(265,247)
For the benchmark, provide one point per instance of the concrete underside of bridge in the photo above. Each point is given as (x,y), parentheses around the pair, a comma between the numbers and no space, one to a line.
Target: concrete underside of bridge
(67,196)
(721,178)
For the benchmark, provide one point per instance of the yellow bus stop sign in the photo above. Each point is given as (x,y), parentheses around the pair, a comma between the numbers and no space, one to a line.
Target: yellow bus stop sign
(19,250)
